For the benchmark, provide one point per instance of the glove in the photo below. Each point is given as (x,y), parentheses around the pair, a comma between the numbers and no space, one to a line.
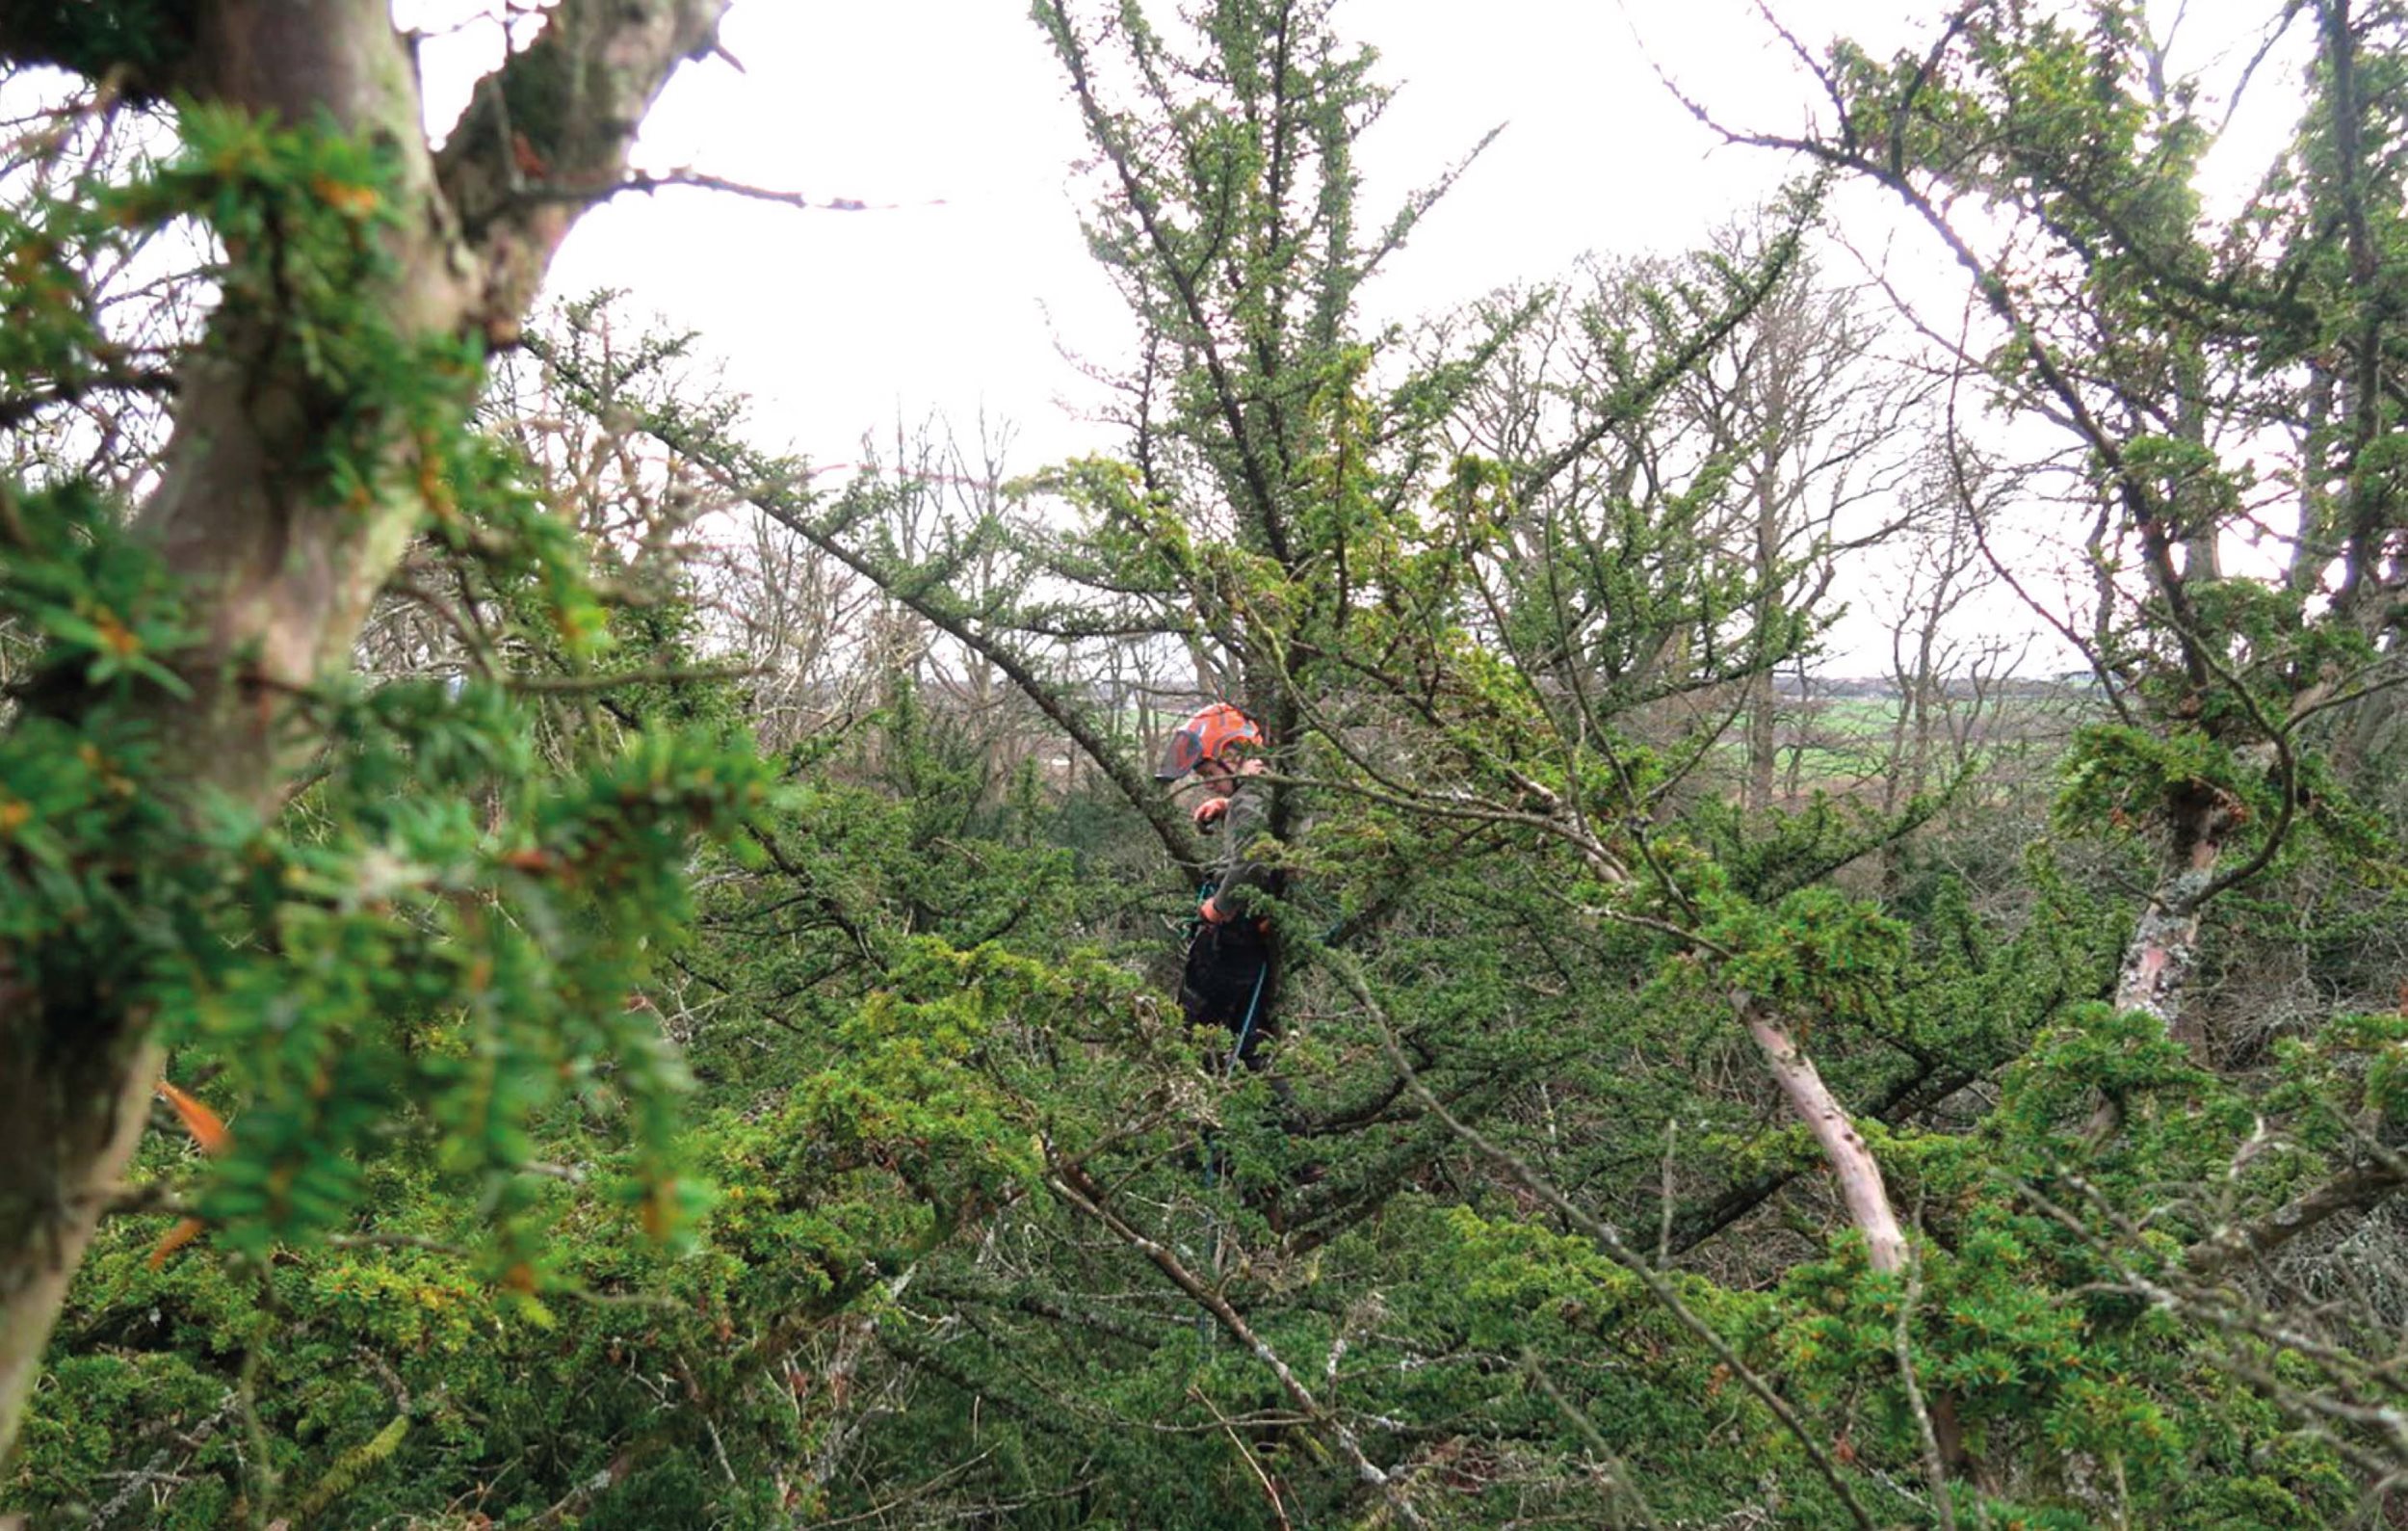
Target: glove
(1209,815)
(1216,917)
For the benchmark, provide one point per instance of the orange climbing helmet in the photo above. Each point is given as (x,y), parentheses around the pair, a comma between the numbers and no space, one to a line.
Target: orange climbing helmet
(1208,735)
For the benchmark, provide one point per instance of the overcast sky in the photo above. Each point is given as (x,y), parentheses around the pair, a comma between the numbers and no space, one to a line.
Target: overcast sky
(951,118)
(960,289)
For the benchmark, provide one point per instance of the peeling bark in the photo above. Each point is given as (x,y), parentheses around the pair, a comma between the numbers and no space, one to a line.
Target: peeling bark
(2163,952)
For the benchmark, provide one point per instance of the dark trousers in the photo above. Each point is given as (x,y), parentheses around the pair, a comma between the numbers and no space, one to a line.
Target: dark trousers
(1231,979)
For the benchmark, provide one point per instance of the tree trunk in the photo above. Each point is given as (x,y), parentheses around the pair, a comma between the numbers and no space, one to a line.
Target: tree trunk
(2164,946)
(278,571)
(1764,702)
(71,1112)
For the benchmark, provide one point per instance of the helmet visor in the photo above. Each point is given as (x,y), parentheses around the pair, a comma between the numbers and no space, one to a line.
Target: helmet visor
(1182,753)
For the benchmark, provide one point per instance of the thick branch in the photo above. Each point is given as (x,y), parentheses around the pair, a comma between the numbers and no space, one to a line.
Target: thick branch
(1606,1239)
(1852,1164)
(1700,1222)
(2360,1188)
(562,110)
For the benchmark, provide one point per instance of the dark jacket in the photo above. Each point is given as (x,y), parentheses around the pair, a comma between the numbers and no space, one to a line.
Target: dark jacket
(1231,974)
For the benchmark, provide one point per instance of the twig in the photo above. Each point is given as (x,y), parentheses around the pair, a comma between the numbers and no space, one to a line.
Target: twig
(394,1241)
(1619,1476)
(647,183)
(1073,1185)
(1606,1239)
(1935,1464)
(150,1199)
(1663,1224)
(15,411)
(1270,1490)
(155,1470)
(631,678)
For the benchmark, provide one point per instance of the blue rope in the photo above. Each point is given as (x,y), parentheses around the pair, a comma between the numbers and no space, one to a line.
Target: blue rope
(1211,1150)
(1247,1030)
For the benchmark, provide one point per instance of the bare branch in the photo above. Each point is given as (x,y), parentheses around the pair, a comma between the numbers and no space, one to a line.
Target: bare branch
(1606,1238)
(1073,1185)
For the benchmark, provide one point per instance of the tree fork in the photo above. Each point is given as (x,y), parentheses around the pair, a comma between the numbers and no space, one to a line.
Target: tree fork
(279,570)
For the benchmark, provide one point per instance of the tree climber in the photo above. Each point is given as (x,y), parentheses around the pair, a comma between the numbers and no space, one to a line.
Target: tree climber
(1232,972)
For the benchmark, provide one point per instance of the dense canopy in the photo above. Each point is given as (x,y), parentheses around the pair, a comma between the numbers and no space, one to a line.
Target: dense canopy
(557,967)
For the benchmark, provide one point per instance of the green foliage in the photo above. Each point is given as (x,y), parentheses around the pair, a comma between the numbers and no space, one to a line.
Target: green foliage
(626,1131)
(2122,777)
(410,985)
(1815,952)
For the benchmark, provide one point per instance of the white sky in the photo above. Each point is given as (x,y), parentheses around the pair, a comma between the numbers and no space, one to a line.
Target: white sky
(951,118)
(836,321)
